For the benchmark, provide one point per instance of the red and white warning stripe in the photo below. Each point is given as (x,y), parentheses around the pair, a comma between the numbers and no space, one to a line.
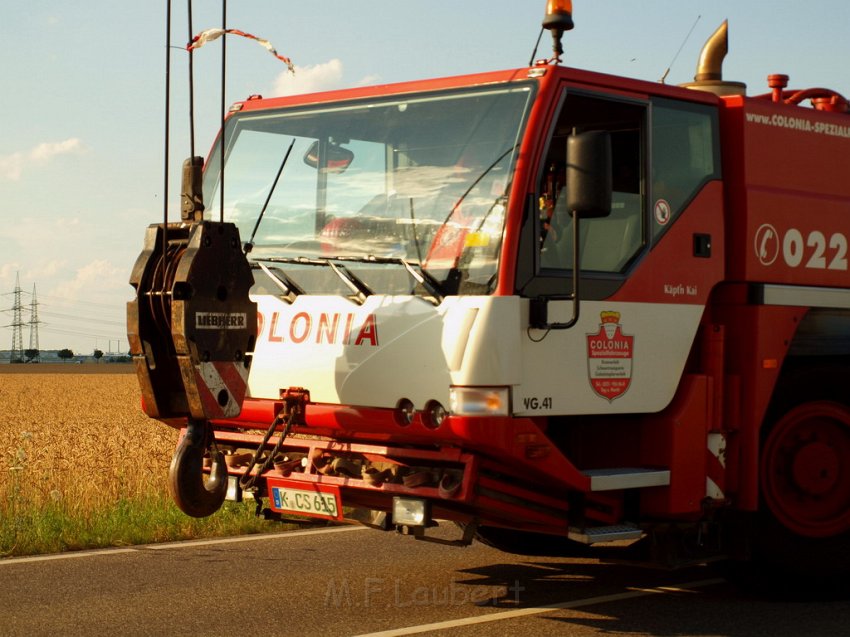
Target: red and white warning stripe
(715,479)
(222,386)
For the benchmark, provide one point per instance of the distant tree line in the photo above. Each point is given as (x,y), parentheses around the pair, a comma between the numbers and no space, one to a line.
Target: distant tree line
(66,354)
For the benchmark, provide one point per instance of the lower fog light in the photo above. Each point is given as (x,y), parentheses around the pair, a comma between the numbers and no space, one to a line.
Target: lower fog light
(410,511)
(234,492)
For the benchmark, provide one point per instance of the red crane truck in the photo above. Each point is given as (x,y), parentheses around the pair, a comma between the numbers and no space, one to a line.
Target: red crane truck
(557,307)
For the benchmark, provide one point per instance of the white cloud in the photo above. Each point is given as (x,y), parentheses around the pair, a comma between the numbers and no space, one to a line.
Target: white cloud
(369,80)
(67,223)
(310,79)
(47,270)
(94,278)
(13,166)
(315,78)
(29,273)
(7,274)
(47,150)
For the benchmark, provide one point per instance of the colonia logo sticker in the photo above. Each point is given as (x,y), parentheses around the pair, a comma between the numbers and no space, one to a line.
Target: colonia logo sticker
(609,357)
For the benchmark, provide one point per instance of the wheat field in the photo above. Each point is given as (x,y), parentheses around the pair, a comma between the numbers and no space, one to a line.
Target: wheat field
(80,439)
(82,467)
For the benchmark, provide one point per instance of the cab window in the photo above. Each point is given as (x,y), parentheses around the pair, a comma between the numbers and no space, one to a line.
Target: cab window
(685,156)
(606,244)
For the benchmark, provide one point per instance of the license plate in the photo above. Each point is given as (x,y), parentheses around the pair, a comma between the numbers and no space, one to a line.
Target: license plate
(318,500)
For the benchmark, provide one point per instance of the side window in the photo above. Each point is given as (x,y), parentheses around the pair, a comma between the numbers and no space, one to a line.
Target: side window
(684,156)
(606,244)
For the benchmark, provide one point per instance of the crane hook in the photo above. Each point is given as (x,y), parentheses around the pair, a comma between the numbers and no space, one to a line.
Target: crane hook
(193,494)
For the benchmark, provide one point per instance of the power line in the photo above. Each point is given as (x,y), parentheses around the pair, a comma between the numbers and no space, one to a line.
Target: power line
(59,330)
(87,319)
(65,301)
(105,326)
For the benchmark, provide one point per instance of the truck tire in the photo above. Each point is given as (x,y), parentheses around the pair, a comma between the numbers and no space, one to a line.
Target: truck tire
(800,538)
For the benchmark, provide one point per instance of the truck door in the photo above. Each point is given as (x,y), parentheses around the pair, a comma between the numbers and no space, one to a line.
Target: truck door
(608,246)
(646,269)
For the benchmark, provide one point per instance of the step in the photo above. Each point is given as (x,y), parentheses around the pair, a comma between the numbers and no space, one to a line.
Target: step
(613,533)
(627,478)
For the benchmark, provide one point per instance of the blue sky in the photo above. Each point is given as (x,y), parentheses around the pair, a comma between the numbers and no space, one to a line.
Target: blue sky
(81,149)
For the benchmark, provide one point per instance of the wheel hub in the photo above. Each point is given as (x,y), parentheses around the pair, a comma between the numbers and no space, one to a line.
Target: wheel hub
(815,469)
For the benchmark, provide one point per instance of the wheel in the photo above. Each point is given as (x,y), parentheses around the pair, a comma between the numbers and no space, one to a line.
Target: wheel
(799,540)
(805,470)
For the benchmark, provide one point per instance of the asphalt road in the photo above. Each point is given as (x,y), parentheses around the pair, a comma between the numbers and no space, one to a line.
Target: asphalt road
(353,581)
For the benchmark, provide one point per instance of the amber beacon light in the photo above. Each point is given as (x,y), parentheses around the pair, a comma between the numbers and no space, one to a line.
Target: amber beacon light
(558,18)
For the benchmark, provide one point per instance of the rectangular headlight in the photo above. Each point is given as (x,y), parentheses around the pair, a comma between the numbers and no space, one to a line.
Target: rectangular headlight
(480,401)
(410,511)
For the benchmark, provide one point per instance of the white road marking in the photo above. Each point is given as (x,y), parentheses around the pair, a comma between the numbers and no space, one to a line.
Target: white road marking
(175,545)
(250,538)
(64,556)
(538,610)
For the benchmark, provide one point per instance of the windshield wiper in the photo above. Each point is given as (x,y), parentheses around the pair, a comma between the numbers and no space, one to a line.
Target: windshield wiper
(250,243)
(354,283)
(425,279)
(422,276)
(289,287)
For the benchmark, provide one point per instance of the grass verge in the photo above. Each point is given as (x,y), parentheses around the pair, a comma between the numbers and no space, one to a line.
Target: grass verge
(27,529)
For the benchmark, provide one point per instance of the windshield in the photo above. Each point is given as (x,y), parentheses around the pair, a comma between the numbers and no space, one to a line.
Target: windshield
(419,179)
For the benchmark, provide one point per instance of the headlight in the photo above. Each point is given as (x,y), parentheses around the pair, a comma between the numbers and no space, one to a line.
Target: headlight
(480,401)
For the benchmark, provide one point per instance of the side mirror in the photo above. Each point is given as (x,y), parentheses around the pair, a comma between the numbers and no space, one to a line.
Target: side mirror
(589,186)
(589,174)
(337,160)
